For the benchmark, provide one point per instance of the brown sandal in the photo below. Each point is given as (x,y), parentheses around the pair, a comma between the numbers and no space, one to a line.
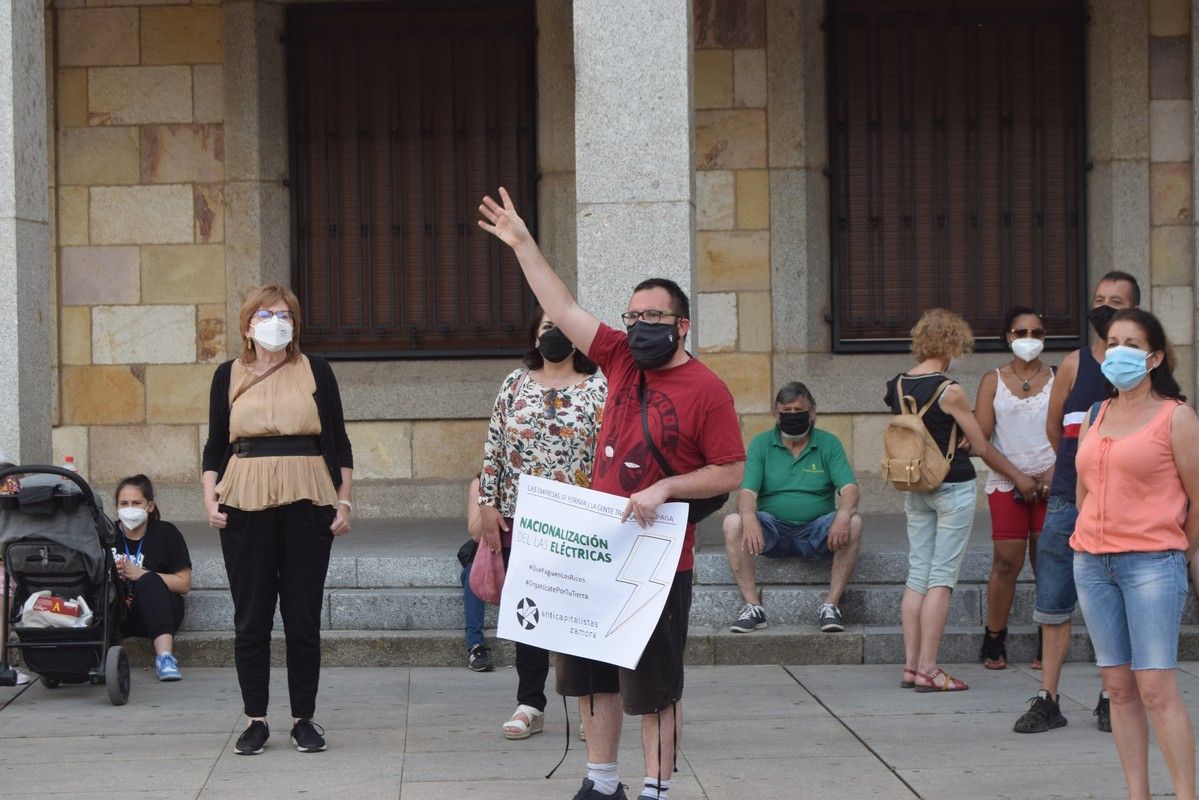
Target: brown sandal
(951,684)
(905,683)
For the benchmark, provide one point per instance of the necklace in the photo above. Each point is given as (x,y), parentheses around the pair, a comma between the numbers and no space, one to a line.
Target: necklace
(1026,387)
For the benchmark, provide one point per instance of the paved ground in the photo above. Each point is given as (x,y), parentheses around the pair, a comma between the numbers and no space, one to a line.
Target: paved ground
(433,734)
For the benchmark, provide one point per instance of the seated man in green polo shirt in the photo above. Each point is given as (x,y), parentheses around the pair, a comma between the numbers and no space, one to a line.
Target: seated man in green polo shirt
(787,507)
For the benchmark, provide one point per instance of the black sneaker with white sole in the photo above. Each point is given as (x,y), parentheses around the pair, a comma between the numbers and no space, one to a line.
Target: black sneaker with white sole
(830,619)
(751,618)
(308,737)
(252,739)
(479,658)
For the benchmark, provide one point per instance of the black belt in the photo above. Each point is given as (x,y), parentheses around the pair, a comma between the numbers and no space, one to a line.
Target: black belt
(258,446)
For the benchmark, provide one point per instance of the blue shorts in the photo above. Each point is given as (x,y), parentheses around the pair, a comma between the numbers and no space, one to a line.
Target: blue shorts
(1056,595)
(782,539)
(1133,606)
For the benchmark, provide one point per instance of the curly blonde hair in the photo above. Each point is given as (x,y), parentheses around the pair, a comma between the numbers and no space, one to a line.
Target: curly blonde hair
(940,332)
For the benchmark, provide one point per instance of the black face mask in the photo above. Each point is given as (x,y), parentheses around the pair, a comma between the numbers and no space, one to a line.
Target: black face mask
(1101,319)
(652,345)
(554,346)
(795,423)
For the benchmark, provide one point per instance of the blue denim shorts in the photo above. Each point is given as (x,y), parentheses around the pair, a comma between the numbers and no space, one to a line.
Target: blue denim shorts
(1056,594)
(939,524)
(1133,603)
(782,539)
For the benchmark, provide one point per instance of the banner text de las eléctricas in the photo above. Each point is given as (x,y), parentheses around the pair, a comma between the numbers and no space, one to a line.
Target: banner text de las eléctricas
(563,542)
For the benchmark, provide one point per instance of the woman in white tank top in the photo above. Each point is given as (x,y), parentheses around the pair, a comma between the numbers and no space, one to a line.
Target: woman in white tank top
(1011,408)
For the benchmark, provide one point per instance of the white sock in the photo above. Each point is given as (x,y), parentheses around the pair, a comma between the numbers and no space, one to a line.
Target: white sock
(606,777)
(656,789)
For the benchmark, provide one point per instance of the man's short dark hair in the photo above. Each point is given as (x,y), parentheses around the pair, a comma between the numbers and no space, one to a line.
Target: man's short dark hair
(1117,275)
(678,298)
(793,391)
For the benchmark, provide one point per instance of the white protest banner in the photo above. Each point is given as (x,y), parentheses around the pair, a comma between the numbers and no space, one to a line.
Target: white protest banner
(581,582)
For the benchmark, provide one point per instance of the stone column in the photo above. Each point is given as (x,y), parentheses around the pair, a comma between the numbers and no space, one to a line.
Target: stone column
(26,310)
(257,204)
(633,149)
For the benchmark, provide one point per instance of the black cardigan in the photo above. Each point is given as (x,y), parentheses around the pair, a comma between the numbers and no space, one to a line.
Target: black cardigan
(335,444)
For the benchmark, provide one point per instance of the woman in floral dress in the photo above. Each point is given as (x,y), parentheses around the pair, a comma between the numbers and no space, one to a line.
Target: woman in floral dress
(545,423)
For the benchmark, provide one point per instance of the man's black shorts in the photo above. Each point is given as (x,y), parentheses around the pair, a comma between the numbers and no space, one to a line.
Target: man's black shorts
(658,680)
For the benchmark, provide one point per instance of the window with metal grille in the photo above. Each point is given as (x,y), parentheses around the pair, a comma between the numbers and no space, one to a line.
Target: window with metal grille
(403,115)
(956,165)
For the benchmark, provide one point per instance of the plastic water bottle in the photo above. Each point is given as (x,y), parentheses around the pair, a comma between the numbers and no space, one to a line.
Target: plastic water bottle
(68,463)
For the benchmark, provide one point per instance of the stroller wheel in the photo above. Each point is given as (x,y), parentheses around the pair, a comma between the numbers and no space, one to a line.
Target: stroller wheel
(116,675)
(50,683)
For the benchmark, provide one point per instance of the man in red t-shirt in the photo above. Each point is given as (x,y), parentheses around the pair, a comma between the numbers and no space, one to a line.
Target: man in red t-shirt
(692,422)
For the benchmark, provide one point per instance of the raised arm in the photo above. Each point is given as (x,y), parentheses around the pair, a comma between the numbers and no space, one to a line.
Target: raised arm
(502,222)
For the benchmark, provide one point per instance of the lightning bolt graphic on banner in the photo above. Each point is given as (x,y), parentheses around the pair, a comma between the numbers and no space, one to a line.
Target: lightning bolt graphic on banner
(639,570)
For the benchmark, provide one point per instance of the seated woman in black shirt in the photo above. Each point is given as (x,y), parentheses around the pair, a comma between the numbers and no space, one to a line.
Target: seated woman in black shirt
(153,561)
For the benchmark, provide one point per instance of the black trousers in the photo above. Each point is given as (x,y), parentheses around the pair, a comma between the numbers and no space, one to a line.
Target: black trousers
(278,554)
(155,610)
(532,665)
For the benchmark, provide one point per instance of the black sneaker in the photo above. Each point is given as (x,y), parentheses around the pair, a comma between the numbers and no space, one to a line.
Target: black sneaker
(1104,712)
(830,619)
(308,737)
(751,618)
(1043,715)
(252,739)
(479,658)
(587,792)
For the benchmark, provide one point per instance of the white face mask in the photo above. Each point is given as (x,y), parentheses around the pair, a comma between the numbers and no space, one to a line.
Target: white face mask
(132,517)
(273,334)
(1027,349)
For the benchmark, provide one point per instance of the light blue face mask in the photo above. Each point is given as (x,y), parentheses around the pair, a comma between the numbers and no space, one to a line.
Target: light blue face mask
(1125,366)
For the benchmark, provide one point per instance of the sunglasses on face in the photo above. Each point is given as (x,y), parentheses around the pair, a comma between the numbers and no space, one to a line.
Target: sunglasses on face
(1028,333)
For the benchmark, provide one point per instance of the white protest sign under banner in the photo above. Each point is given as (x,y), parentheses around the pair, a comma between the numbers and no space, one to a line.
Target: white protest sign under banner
(581,582)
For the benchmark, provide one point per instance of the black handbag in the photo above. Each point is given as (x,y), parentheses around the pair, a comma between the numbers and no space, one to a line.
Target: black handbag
(698,510)
(466,553)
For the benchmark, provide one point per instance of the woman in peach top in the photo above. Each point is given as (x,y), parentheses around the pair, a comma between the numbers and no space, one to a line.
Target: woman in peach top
(1138,523)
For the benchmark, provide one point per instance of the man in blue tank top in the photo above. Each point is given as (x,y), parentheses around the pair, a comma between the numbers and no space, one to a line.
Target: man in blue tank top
(1079,385)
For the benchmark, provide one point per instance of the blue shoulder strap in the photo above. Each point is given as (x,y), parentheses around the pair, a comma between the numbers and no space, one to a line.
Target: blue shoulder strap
(1094,412)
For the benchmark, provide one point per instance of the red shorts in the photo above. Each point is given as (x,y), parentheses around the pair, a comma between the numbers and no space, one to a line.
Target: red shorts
(1012,518)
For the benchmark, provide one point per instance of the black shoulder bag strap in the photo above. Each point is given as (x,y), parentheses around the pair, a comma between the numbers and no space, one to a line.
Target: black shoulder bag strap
(649,440)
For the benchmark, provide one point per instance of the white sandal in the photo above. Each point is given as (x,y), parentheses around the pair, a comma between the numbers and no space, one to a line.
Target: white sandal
(516,728)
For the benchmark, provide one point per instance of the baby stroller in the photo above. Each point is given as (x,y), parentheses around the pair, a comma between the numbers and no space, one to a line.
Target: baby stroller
(54,536)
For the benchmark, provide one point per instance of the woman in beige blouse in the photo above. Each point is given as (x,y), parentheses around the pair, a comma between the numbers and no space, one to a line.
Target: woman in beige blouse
(277,480)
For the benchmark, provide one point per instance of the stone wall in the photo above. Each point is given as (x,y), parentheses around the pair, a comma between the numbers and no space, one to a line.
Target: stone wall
(169,201)
(139,172)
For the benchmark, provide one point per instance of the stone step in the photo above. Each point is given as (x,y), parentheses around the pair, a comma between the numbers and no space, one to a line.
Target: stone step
(373,499)
(446,499)
(779,644)
(711,569)
(713,607)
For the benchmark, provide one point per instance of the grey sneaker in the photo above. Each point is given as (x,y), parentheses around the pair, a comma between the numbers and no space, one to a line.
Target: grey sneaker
(1104,712)
(751,618)
(830,619)
(480,658)
(587,792)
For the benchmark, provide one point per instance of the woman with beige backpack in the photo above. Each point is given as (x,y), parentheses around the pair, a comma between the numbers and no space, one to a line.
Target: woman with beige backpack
(933,411)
